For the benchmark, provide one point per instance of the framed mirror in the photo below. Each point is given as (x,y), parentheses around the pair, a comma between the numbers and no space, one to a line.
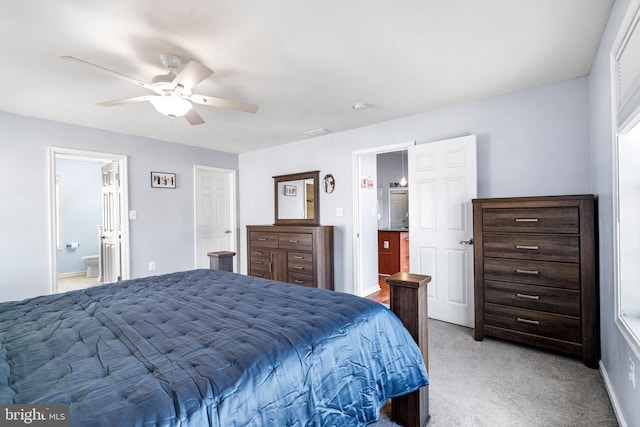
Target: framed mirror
(296,198)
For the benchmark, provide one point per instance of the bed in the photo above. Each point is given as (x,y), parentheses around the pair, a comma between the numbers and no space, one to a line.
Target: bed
(206,347)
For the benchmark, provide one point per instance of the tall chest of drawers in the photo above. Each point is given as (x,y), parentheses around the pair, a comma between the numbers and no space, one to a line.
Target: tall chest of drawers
(535,273)
(301,255)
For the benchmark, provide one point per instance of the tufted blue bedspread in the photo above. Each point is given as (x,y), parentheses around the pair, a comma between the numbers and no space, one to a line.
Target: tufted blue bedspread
(206,347)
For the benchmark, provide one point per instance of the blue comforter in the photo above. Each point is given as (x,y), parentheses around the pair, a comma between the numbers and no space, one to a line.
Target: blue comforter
(206,347)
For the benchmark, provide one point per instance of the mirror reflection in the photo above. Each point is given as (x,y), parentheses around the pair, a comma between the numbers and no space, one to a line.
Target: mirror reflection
(296,198)
(399,208)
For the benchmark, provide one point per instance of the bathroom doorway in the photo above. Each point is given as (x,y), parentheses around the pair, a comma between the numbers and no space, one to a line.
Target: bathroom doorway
(373,178)
(78,196)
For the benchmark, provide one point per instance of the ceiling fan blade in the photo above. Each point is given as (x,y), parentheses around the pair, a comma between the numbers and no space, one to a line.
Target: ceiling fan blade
(224,103)
(193,117)
(125,101)
(192,74)
(110,72)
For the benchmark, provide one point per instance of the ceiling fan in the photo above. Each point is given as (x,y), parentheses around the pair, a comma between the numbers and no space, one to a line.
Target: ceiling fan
(174,96)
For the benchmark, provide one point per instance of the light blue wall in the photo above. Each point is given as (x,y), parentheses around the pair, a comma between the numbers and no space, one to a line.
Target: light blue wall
(81,211)
(529,143)
(164,228)
(615,350)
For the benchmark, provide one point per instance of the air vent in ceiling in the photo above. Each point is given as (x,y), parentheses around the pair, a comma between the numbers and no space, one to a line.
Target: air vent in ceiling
(317,132)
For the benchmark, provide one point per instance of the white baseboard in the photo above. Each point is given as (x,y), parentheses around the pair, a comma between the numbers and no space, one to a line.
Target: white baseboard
(370,290)
(612,396)
(76,273)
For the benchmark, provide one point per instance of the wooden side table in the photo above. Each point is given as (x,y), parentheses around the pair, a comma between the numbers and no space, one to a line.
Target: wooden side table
(408,300)
(221,260)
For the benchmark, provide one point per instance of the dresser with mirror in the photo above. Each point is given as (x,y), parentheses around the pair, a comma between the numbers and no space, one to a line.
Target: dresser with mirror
(296,248)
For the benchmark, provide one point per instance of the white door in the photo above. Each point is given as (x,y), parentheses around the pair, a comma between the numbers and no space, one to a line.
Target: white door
(443,180)
(215,213)
(111,245)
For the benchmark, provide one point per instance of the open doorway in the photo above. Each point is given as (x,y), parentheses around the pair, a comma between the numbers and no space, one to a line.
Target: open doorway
(442,181)
(393,219)
(87,191)
(377,171)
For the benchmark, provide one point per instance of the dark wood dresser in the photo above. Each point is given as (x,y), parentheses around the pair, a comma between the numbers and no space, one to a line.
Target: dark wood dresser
(535,273)
(302,255)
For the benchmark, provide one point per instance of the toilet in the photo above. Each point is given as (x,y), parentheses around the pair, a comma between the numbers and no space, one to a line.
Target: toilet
(91,261)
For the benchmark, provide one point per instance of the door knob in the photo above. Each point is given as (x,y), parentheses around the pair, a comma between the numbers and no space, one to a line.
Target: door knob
(228,232)
(468,241)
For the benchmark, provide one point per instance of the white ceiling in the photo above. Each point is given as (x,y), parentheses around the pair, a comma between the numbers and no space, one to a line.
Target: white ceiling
(304,62)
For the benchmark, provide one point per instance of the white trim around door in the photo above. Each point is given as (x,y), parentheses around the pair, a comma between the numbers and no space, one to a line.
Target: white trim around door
(215,222)
(54,227)
(359,256)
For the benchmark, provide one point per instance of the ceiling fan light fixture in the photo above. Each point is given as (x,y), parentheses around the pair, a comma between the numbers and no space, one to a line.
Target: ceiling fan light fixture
(175,97)
(171,105)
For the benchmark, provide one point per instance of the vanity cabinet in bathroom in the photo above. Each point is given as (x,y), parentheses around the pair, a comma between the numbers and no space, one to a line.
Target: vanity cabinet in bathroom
(393,251)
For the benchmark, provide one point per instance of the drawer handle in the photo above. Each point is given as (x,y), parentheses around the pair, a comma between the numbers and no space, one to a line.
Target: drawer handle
(259,253)
(262,239)
(258,262)
(531,272)
(298,257)
(258,274)
(530,322)
(294,241)
(299,281)
(531,248)
(526,219)
(525,296)
(297,267)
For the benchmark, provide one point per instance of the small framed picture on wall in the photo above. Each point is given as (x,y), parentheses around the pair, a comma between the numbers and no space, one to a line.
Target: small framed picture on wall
(163,180)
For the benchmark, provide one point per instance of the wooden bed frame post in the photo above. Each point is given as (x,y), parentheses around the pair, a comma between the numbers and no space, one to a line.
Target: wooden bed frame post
(221,260)
(408,300)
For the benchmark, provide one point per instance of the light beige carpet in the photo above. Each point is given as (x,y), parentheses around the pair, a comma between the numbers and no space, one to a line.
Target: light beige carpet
(496,383)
